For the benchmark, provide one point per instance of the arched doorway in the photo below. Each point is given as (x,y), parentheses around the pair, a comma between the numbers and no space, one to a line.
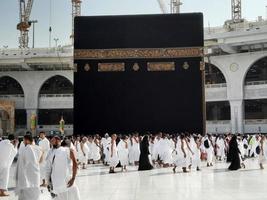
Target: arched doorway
(213,75)
(55,87)
(11,90)
(255,109)
(257,73)
(10,86)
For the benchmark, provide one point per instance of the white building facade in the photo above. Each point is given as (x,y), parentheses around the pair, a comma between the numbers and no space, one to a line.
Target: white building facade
(40,81)
(239,55)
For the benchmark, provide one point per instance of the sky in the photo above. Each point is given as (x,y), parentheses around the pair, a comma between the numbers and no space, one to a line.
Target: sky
(215,13)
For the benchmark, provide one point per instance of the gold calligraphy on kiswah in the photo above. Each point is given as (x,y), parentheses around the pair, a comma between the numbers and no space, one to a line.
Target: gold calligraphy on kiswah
(160,66)
(138,53)
(111,67)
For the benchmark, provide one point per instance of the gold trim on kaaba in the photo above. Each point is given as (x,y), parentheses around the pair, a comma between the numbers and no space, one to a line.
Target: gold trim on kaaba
(136,67)
(138,53)
(186,65)
(87,67)
(160,66)
(111,67)
(202,65)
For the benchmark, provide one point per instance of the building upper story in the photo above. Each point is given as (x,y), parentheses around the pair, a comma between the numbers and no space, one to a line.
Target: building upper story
(37,59)
(231,38)
(236,72)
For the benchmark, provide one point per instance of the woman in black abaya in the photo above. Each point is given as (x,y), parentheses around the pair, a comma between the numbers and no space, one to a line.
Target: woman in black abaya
(144,163)
(233,155)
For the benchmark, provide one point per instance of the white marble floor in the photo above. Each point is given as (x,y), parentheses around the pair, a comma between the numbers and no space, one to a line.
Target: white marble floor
(215,183)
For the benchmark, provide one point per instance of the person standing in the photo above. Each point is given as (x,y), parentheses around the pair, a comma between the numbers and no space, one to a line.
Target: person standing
(241,150)
(195,147)
(85,152)
(113,158)
(166,151)
(61,171)
(144,162)
(182,150)
(90,146)
(263,151)
(8,151)
(136,148)
(151,145)
(157,149)
(234,154)
(208,149)
(44,144)
(105,143)
(28,170)
(123,152)
(78,151)
(96,150)
(220,148)
(253,144)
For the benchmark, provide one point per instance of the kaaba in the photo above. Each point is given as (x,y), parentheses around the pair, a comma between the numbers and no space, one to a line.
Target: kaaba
(139,73)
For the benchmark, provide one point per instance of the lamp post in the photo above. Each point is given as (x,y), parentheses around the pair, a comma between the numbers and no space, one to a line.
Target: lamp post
(33,22)
(56,40)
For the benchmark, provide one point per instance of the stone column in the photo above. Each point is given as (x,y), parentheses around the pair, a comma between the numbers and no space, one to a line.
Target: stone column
(237,116)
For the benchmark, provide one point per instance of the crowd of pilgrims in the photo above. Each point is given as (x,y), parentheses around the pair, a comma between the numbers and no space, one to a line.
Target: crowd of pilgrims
(53,161)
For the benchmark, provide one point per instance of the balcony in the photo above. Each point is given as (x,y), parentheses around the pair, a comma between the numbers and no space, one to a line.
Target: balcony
(17,98)
(36,52)
(255,90)
(55,101)
(255,126)
(216,92)
(221,126)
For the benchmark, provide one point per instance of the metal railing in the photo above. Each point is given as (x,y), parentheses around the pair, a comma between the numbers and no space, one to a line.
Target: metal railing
(218,122)
(7,96)
(55,95)
(36,52)
(264,82)
(256,121)
(247,121)
(218,85)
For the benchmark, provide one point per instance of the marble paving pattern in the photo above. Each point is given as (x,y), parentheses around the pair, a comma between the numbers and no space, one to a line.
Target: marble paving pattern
(161,184)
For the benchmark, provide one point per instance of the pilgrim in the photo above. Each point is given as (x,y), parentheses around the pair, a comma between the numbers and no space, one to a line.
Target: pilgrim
(61,171)
(8,151)
(45,146)
(28,170)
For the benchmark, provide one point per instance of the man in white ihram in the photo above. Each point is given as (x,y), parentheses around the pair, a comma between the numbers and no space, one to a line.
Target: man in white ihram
(105,141)
(8,151)
(45,146)
(61,170)
(28,171)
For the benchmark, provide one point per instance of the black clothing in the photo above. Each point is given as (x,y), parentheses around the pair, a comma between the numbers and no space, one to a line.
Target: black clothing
(144,163)
(233,155)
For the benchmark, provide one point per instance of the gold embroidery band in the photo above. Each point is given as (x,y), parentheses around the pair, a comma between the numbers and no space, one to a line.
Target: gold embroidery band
(138,53)
(111,67)
(160,66)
